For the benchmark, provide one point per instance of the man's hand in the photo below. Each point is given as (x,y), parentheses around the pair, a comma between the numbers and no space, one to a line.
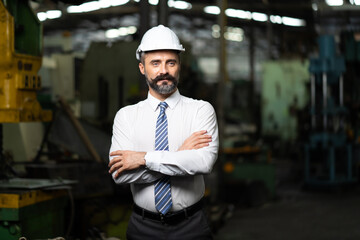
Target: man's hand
(197,140)
(125,160)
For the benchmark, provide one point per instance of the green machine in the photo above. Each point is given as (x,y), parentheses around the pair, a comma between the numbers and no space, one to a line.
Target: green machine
(32,208)
(249,170)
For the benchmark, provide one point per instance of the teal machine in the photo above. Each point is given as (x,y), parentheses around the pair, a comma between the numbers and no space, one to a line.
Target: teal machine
(328,153)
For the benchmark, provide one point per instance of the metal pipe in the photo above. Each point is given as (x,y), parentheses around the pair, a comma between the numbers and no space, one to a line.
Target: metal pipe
(222,69)
(313,101)
(324,78)
(144,17)
(341,91)
(251,55)
(163,12)
(341,100)
(144,11)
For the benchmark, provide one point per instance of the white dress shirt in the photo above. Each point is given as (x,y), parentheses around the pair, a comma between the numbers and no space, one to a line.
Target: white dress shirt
(134,129)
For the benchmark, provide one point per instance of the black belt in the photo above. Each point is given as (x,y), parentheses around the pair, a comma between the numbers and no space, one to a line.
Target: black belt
(170,217)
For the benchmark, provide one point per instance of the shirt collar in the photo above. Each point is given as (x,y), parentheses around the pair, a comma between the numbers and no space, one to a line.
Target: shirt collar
(171,101)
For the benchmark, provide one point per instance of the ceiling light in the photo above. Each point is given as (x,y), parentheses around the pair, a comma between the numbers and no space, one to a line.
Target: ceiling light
(276,19)
(216,28)
(235,30)
(41,16)
(234,34)
(260,17)
(231,33)
(154,2)
(314,7)
(212,10)
(215,31)
(52,14)
(34,5)
(233,37)
(355,2)
(95,5)
(294,22)
(257,16)
(123,31)
(334,2)
(85,7)
(112,33)
(104,3)
(179,4)
(237,13)
(215,34)
(132,30)
(115,3)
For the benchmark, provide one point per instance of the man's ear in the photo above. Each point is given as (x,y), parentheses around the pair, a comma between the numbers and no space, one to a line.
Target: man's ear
(141,68)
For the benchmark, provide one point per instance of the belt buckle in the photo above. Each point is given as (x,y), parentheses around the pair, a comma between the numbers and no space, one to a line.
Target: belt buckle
(165,218)
(162,218)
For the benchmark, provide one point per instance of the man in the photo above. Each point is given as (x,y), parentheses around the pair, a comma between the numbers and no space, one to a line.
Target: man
(162,146)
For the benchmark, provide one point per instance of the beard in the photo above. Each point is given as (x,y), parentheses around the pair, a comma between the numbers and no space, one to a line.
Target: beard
(165,87)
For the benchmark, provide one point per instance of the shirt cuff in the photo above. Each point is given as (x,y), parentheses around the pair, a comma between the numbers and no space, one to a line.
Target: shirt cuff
(151,160)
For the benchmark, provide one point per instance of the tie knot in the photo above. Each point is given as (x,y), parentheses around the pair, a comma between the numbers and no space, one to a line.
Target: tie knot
(163,105)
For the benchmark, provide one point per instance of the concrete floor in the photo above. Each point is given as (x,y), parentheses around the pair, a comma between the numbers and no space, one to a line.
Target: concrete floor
(298,215)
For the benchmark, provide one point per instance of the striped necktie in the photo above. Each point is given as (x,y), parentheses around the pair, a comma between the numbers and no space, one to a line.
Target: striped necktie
(163,201)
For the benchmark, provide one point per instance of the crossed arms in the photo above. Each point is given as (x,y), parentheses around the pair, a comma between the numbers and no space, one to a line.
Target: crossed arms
(196,155)
(129,160)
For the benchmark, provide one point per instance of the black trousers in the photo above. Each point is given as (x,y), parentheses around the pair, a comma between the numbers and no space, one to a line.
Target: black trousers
(194,228)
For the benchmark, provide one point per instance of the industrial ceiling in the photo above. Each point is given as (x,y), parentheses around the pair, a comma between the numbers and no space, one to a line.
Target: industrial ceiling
(314,12)
(316,16)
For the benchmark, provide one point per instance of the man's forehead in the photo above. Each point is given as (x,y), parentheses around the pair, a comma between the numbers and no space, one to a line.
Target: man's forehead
(161,54)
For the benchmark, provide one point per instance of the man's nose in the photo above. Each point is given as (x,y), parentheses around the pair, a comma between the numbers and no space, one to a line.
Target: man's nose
(163,69)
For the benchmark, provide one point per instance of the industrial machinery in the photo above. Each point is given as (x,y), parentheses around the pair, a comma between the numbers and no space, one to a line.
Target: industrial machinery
(20,51)
(28,208)
(328,153)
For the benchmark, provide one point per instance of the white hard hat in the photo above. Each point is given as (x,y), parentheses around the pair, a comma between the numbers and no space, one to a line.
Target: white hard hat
(159,38)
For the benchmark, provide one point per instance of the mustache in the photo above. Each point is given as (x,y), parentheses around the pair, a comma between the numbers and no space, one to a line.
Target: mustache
(165,76)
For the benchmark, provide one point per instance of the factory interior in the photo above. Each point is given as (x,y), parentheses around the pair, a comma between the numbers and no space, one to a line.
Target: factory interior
(282,75)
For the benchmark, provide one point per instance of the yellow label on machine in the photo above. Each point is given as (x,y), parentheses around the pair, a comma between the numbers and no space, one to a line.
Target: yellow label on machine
(18,200)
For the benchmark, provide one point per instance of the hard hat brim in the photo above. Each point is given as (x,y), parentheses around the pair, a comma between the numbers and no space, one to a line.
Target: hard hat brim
(138,52)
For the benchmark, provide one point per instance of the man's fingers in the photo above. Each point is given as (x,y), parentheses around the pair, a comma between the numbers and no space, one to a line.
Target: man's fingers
(116,153)
(197,134)
(114,160)
(201,145)
(201,132)
(204,138)
(115,167)
(196,138)
(118,173)
(201,141)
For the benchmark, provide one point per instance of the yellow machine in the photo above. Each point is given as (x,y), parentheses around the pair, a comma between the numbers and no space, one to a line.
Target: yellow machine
(20,61)
(27,208)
